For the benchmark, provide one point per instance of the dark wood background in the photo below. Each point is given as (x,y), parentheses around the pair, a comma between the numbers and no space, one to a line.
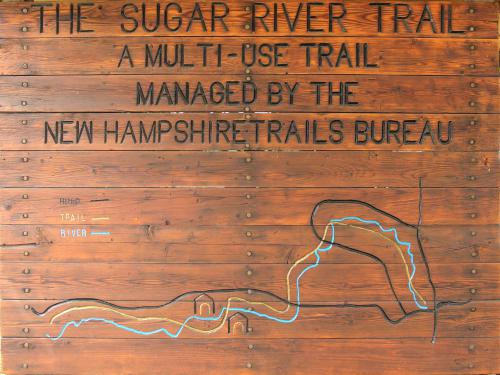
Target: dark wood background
(203,216)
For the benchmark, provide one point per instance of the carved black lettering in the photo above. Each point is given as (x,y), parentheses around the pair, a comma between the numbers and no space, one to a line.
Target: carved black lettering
(126,55)
(125,12)
(380,6)
(336,131)
(80,18)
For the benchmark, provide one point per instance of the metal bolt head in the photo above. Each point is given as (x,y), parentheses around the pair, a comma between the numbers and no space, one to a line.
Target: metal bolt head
(26,253)
(24,141)
(247,145)
(25,159)
(247,8)
(473,233)
(248,178)
(24,122)
(473,84)
(472,28)
(472,141)
(24,29)
(25,365)
(248,234)
(249,253)
(472,66)
(248,196)
(473,271)
(24,103)
(472,122)
(26,178)
(472,10)
(25,66)
(248,160)
(474,254)
(473,309)
(249,365)
(26,271)
(249,291)
(247,26)
(473,290)
(250,329)
(251,346)
(247,71)
(26,330)
(27,307)
(247,109)
(26,290)
(25,196)
(25,216)
(471,347)
(471,178)
(472,47)
(25,233)
(25,47)
(473,160)
(25,10)
(26,345)
(249,272)
(24,84)
(472,104)
(473,215)
(248,215)
(248,78)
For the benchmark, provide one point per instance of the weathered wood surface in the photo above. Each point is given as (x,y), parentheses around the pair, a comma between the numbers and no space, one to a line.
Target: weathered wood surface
(241,169)
(363,282)
(102,56)
(104,18)
(374,93)
(263,206)
(319,323)
(267,244)
(168,217)
(448,356)
(469,132)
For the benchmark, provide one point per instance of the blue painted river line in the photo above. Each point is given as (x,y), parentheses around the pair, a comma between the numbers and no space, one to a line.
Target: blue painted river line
(252,312)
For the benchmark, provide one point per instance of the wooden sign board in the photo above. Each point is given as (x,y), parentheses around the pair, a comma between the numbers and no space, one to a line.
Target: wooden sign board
(249,187)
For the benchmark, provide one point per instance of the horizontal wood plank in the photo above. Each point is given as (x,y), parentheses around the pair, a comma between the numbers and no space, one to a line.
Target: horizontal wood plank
(267,244)
(139,93)
(317,323)
(276,131)
(104,18)
(241,169)
(384,55)
(135,175)
(447,356)
(263,206)
(363,282)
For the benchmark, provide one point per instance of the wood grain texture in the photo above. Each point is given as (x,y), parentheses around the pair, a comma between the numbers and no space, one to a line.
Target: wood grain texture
(102,56)
(469,132)
(312,323)
(360,282)
(241,169)
(268,244)
(406,94)
(104,18)
(263,206)
(448,356)
(139,222)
